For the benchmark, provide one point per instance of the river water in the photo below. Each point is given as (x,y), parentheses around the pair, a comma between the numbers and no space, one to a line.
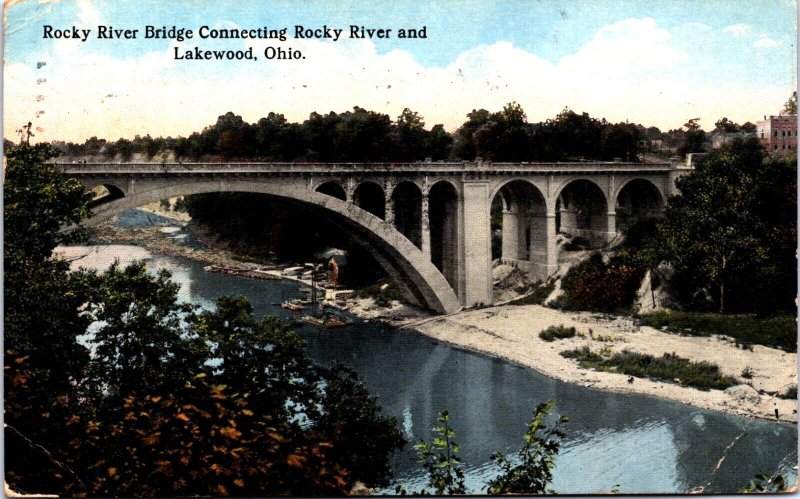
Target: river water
(630,443)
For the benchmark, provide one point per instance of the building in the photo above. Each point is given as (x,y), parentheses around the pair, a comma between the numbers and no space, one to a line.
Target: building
(778,133)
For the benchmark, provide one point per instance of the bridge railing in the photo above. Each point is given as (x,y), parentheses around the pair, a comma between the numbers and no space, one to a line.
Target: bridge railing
(478,167)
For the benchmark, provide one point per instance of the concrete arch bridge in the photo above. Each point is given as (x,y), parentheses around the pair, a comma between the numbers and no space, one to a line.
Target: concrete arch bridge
(427,224)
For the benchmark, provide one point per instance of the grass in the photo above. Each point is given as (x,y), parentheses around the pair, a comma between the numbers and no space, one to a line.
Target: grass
(669,367)
(776,332)
(539,295)
(557,333)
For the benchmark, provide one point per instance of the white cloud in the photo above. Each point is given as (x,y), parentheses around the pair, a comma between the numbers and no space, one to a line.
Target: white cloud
(87,14)
(697,26)
(737,30)
(765,42)
(628,71)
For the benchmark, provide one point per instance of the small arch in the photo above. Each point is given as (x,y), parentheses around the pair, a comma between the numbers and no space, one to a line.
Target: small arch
(582,211)
(407,206)
(332,188)
(369,196)
(638,199)
(104,193)
(443,223)
(519,223)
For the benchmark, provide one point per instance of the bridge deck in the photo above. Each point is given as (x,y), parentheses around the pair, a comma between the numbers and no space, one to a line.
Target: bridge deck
(479,168)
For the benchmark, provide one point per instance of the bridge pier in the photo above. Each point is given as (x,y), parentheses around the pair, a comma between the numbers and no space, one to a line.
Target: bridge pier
(425,227)
(512,249)
(476,257)
(552,248)
(388,213)
(611,226)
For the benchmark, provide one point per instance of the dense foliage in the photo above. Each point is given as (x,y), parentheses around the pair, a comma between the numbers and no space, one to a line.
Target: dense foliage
(161,398)
(602,286)
(779,331)
(362,135)
(732,230)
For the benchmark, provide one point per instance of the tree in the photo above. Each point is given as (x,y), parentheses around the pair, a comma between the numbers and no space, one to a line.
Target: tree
(790,107)
(748,127)
(693,137)
(408,135)
(45,364)
(171,401)
(619,140)
(725,125)
(729,228)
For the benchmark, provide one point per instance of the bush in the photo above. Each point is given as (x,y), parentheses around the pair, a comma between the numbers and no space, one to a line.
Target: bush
(668,367)
(790,393)
(595,285)
(557,333)
(776,332)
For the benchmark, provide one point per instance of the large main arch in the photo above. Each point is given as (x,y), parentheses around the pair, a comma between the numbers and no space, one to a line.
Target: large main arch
(420,279)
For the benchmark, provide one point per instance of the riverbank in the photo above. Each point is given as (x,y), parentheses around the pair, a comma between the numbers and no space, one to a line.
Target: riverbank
(512,333)
(159,239)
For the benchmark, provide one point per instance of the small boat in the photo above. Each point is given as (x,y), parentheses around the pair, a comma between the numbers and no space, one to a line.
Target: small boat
(327,321)
(292,305)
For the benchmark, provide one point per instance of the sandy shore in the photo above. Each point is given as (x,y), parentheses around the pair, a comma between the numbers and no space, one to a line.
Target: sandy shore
(512,333)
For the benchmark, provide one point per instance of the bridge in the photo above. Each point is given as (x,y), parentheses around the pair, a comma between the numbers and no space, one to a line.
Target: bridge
(427,224)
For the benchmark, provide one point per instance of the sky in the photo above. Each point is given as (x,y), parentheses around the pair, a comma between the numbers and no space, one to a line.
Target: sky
(652,62)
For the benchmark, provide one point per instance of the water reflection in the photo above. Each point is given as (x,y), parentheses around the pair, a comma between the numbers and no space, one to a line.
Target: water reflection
(632,443)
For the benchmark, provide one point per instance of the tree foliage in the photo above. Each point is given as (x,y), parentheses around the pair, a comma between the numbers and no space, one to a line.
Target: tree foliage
(596,285)
(531,471)
(732,229)
(790,107)
(440,459)
(113,387)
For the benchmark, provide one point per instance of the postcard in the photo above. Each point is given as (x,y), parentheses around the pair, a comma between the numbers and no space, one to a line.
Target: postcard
(258,248)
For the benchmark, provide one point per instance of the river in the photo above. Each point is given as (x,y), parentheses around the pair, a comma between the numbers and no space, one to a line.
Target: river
(629,443)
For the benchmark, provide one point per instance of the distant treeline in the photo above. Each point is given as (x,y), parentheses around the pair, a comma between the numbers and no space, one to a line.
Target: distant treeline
(361,135)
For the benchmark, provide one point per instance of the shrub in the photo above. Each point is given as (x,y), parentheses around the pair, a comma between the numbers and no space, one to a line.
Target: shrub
(668,367)
(553,333)
(790,393)
(595,285)
(776,332)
